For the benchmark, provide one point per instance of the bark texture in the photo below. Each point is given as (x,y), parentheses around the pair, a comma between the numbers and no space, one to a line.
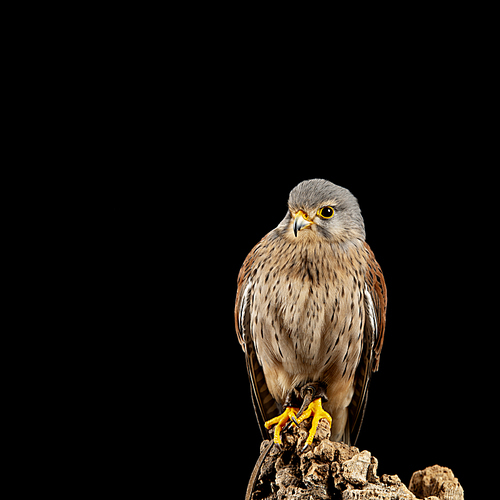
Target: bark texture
(330,470)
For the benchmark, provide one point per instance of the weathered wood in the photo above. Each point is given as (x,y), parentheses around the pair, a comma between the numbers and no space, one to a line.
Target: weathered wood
(335,471)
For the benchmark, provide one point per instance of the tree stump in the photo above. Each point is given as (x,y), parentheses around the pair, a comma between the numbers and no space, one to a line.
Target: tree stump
(335,471)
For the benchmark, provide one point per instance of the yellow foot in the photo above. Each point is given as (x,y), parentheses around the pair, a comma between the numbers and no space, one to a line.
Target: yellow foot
(280,422)
(318,413)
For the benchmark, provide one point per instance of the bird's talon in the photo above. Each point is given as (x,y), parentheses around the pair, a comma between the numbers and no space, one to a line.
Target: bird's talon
(316,410)
(280,422)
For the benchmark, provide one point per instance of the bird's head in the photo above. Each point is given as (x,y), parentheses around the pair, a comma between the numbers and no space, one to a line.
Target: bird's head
(321,209)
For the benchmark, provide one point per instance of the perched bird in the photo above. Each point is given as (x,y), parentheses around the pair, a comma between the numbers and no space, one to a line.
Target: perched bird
(310,314)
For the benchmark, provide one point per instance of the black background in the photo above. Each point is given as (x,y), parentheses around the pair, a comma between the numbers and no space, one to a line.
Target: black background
(182,242)
(205,189)
(178,371)
(189,143)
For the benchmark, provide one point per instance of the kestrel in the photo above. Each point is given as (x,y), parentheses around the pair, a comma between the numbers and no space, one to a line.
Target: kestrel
(310,314)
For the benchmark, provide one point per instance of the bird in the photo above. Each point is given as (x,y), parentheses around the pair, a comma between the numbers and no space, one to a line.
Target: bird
(310,315)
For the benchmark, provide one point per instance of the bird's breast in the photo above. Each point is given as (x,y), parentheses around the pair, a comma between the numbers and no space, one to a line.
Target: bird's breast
(308,312)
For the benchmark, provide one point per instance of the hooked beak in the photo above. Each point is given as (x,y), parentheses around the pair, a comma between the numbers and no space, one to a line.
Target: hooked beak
(301,221)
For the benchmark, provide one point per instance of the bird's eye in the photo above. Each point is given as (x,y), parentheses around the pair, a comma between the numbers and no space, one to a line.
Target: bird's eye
(326,212)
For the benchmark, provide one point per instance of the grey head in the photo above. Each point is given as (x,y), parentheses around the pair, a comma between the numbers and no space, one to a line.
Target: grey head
(320,209)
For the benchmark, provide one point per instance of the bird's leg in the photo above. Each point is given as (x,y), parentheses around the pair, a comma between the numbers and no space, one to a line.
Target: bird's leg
(312,395)
(280,421)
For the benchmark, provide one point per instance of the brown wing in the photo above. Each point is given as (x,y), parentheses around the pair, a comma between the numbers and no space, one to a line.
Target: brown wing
(373,340)
(378,292)
(242,297)
(264,405)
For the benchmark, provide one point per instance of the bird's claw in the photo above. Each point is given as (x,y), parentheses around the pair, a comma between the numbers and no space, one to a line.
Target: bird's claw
(312,395)
(316,410)
(280,422)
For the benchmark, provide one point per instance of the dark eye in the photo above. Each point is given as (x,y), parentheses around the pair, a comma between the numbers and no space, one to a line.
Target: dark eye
(326,212)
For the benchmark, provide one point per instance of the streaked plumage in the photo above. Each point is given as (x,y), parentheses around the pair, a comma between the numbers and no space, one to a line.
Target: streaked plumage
(310,307)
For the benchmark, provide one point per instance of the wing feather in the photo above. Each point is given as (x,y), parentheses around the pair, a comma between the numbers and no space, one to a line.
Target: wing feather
(264,404)
(375,300)
(378,293)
